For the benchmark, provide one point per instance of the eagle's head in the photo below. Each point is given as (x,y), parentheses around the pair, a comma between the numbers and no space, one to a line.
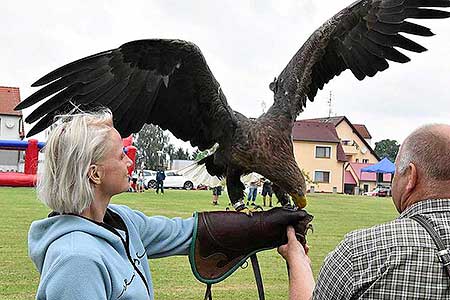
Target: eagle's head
(292,181)
(279,165)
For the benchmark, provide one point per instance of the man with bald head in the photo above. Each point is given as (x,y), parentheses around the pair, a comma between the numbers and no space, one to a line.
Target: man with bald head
(399,259)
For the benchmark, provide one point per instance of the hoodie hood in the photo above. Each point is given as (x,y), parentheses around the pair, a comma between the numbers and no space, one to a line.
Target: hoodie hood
(45,232)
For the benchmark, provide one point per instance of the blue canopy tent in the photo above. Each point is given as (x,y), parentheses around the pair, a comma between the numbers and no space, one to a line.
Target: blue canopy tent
(384,166)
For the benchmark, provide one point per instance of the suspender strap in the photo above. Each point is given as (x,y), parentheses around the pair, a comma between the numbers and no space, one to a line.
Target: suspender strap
(443,252)
(258,277)
(208,294)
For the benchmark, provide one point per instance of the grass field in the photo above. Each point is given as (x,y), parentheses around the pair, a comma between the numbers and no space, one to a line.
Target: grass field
(335,215)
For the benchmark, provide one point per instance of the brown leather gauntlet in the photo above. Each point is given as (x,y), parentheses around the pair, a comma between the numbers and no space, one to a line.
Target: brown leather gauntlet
(223,241)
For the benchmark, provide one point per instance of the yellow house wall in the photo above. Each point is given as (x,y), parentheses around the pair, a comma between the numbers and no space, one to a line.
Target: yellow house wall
(306,159)
(345,132)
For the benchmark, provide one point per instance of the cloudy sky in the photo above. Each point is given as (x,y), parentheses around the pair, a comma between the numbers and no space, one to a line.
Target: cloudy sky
(246,44)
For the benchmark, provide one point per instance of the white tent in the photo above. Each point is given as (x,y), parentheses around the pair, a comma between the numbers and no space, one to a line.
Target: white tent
(199,175)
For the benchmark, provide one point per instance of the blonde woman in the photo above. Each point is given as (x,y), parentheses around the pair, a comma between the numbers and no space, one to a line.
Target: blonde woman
(89,248)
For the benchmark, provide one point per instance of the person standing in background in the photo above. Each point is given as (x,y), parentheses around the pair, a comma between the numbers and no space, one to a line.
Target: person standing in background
(267,191)
(160,177)
(252,192)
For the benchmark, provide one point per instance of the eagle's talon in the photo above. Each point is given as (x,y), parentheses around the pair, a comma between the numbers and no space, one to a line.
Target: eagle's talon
(247,211)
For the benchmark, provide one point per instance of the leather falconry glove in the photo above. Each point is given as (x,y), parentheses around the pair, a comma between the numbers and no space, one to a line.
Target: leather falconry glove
(223,241)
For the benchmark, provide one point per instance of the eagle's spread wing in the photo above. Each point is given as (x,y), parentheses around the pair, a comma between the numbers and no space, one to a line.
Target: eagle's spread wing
(164,82)
(362,37)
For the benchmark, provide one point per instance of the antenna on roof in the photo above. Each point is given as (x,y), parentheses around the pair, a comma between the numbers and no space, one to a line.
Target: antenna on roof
(330,110)
(263,106)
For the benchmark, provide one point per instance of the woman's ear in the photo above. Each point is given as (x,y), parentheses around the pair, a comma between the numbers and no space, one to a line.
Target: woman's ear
(94,174)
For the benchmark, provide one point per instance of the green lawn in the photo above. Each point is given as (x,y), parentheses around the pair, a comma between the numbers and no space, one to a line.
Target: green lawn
(335,215)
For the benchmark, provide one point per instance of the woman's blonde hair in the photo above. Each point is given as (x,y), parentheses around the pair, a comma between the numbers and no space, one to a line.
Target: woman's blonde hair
(79,141)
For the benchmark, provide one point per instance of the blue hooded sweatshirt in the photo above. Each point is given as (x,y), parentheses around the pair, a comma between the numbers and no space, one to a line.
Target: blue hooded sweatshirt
(81,259)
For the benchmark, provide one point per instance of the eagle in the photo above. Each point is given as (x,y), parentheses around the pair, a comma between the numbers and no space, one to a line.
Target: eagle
(167,82)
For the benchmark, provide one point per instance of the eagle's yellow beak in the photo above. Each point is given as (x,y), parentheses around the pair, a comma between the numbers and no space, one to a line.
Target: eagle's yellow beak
(299,200)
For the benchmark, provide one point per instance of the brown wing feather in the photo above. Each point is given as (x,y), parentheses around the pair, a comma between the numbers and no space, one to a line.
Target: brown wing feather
(164,82)
(362,38)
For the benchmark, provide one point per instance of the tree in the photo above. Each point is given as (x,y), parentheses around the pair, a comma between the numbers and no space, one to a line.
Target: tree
(181,154)
(387,148)
(150,141)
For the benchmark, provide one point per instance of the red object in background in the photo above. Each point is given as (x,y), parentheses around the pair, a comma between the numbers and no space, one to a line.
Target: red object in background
(131,152)
(31,157)
(382,193)
(132,155)
(28,178)
(17,179)
(128,141)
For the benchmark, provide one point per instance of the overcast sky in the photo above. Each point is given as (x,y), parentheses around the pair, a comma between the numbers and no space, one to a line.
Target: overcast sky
(246,44)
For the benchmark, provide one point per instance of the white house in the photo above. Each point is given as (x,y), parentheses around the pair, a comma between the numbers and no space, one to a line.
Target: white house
(11,127)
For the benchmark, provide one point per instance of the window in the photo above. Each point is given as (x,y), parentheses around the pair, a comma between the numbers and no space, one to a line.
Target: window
(365,161)
(357,160)
(322,176)
(323,152)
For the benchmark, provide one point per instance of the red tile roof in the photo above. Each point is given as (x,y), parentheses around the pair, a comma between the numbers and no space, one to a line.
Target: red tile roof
(332,120)
(348,178)
(9,98)
(314,132)
(366,176)
(362,130)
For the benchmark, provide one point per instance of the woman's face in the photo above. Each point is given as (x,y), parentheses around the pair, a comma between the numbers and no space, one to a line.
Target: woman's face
(114,167)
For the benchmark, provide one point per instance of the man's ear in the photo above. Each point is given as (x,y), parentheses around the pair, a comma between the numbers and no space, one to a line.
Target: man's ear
(412,179)
(94,174)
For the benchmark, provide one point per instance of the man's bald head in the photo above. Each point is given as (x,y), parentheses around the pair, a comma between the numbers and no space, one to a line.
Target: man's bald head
(428,147)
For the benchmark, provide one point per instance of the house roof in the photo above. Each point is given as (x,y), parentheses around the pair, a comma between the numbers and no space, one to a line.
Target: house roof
(332,120)
(341,153)
(314,132)
(366,176)
(362,129)
(318,132)
(9,98)
(336,121)
(348,178)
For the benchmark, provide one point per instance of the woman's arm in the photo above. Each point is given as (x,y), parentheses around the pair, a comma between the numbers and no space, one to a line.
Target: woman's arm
(162,236)
(301,280)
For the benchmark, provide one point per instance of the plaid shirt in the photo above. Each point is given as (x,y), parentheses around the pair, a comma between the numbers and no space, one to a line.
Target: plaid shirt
(396,260)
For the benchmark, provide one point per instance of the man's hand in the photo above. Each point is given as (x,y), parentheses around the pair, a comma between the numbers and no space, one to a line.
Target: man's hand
(301,280)
(293,251)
